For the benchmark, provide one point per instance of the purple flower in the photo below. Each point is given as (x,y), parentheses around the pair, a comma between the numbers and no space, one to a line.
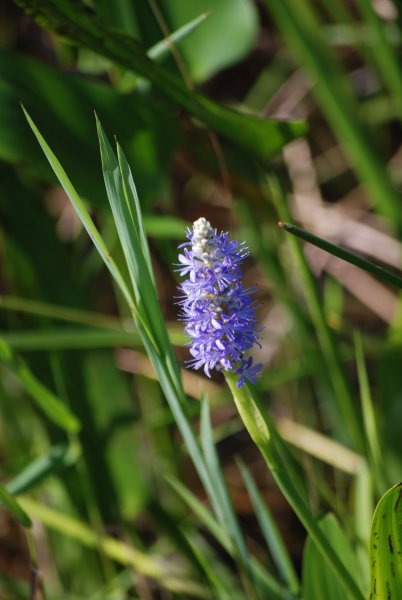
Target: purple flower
(218,311)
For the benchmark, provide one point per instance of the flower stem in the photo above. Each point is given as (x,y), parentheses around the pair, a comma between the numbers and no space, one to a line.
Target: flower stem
(266,437)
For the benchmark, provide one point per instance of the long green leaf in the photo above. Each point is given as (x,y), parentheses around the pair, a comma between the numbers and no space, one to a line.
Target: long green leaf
(71,18)
(353,259)
(78,337)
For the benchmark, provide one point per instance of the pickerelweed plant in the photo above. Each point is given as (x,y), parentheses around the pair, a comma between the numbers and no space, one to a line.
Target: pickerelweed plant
(218,310)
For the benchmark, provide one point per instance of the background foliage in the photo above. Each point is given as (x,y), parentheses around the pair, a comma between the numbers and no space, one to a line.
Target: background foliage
(248,112)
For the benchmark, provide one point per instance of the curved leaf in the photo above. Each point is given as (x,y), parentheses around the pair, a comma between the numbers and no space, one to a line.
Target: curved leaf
(386,546)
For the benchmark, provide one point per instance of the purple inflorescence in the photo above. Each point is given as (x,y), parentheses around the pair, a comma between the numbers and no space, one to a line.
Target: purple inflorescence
(218,311)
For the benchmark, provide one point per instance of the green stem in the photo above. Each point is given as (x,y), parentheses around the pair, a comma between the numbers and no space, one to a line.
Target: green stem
(265,436)
(362,263)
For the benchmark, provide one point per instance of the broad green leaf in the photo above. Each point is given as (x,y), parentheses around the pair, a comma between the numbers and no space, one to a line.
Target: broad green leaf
(36,471)
(50,404)
(70,18)
(70,100)
(319,581)
(8,502)
(227,36)
(386,546)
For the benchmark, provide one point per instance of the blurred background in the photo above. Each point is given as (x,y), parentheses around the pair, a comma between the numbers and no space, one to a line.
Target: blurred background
(334,65)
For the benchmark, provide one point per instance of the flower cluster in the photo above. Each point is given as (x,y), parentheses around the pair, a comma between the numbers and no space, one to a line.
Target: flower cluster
(218,311)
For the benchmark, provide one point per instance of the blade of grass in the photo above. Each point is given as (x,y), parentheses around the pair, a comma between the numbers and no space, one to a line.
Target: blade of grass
(72,20)
(363,509)
(9,502)
(47,401)
(82,337)
(369,418)
(60,338)
(362,263)
(201,512)
(62,313)
(262,432)
(162,48)
(271,533)
(220,499)
(126,210)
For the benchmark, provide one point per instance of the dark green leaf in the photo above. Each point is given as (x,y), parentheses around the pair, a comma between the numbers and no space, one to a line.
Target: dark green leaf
(74,21)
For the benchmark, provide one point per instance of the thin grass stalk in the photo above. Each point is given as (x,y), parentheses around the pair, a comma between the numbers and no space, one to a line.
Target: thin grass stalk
(353,259)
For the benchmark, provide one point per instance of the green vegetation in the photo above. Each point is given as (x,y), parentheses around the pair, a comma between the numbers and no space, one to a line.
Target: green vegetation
(123,474)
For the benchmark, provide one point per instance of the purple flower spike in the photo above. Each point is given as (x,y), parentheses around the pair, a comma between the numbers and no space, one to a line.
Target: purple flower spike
(217,310)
